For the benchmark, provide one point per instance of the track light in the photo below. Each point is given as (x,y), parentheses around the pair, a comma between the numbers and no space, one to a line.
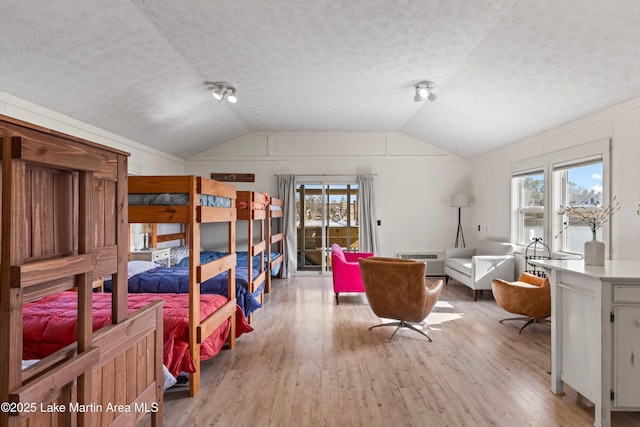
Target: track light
(424,91)
(231,97)
(223,91)
(218,93)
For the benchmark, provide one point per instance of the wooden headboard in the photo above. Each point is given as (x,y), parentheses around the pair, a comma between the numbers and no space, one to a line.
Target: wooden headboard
(64,222)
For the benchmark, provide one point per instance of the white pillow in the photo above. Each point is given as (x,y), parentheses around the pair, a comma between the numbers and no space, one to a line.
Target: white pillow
(27,363)
(169,380)
(137,267)
(177,253)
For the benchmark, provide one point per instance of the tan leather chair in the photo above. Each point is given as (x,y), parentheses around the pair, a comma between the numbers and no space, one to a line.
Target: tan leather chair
(396,289)
(529,296)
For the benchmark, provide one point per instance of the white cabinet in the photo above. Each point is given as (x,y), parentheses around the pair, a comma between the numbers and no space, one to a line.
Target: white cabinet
(626,350)
(595,333)
(159,256)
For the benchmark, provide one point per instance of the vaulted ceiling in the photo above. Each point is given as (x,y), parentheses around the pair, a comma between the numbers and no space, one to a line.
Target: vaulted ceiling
(504,69)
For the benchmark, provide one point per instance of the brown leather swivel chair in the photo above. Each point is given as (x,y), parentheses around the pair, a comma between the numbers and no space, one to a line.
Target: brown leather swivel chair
(529,296)
(396,289)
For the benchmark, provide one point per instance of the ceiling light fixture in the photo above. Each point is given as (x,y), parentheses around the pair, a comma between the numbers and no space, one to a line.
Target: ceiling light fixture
(223,91)
(231,97)
(424,90)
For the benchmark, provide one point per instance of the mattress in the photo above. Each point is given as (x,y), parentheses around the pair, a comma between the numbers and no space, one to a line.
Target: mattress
(176,280)
(50,324)
(242,261)
(173,199)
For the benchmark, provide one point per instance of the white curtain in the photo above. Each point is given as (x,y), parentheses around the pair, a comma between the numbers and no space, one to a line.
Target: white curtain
(287,192)
(367,227)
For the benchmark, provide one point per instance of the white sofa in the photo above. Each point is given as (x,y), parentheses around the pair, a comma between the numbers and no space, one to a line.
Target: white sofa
(477,267)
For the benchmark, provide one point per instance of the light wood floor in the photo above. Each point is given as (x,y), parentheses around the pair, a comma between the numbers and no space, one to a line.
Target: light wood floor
(312,363)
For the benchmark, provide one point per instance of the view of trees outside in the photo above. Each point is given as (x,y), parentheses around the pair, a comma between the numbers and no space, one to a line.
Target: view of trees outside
(336,207)
(584,188)
(533,194)
(325,214)
(532,207)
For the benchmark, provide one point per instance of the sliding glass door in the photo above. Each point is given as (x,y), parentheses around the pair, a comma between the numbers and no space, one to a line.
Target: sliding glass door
(327,213)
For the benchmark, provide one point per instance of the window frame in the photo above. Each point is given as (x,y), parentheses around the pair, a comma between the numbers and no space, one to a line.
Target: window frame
(575,155)
(517,190)
(560,178)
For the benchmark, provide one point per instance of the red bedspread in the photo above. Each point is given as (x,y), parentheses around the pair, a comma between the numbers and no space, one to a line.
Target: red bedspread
(50,324)
(256,206)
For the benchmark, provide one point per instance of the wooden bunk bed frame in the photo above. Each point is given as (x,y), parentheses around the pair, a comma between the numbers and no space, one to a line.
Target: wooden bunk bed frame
(193,215)
(254,247)
(275,238)
(63,224)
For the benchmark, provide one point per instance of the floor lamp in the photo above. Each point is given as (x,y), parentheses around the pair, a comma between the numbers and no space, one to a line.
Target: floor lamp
(459,200)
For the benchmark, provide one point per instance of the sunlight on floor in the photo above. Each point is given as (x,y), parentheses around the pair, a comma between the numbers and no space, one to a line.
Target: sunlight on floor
(442,313)
(443,304)
(436,317)
(440,318)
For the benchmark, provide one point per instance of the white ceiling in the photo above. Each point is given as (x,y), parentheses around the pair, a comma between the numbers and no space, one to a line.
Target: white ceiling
(505,69)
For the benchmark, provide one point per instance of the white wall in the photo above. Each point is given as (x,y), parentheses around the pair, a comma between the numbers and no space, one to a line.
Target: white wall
(490,178)
(144,160)
(414,180)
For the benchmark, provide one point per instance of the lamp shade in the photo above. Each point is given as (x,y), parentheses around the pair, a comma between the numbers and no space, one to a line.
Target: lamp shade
(459,200)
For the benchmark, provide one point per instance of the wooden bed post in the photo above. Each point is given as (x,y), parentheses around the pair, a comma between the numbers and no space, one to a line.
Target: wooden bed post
(153,241)
(268,226)
(13,252)
(275,239)
(85,291)
(263,259)
(250,254)
(194,284)
(231,285)
(120,288)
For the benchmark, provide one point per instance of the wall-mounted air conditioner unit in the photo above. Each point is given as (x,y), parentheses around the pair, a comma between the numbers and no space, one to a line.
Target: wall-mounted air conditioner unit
(434,261)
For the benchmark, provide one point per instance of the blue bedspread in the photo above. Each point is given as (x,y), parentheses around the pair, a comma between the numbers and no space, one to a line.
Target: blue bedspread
(175,280)
(241,260)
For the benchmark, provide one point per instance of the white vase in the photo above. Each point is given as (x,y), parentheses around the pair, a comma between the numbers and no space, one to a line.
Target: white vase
(594,251)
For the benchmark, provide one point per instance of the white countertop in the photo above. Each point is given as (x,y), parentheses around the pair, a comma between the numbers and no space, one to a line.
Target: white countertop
(614,269)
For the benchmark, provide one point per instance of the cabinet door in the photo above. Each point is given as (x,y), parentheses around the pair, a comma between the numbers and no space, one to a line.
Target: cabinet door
(626,357)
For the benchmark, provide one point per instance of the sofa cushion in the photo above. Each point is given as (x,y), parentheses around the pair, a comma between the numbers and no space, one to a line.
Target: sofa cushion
(492,247)
(463,265)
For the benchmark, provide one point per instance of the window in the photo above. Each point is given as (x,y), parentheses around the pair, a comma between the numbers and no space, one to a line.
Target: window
(326,213)
(574,176)
(528,191)
(577,184)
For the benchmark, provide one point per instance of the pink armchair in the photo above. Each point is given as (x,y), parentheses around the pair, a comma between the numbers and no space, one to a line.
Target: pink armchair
(346,270)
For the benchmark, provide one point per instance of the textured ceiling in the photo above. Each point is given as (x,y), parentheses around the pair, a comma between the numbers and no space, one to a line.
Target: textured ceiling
(504,69)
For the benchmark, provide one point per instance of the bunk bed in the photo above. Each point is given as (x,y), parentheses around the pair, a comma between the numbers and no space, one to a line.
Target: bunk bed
(250,277)
(192,201)
(150,277)
(63,203)
(266,248)
(275,244)
(252,207)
